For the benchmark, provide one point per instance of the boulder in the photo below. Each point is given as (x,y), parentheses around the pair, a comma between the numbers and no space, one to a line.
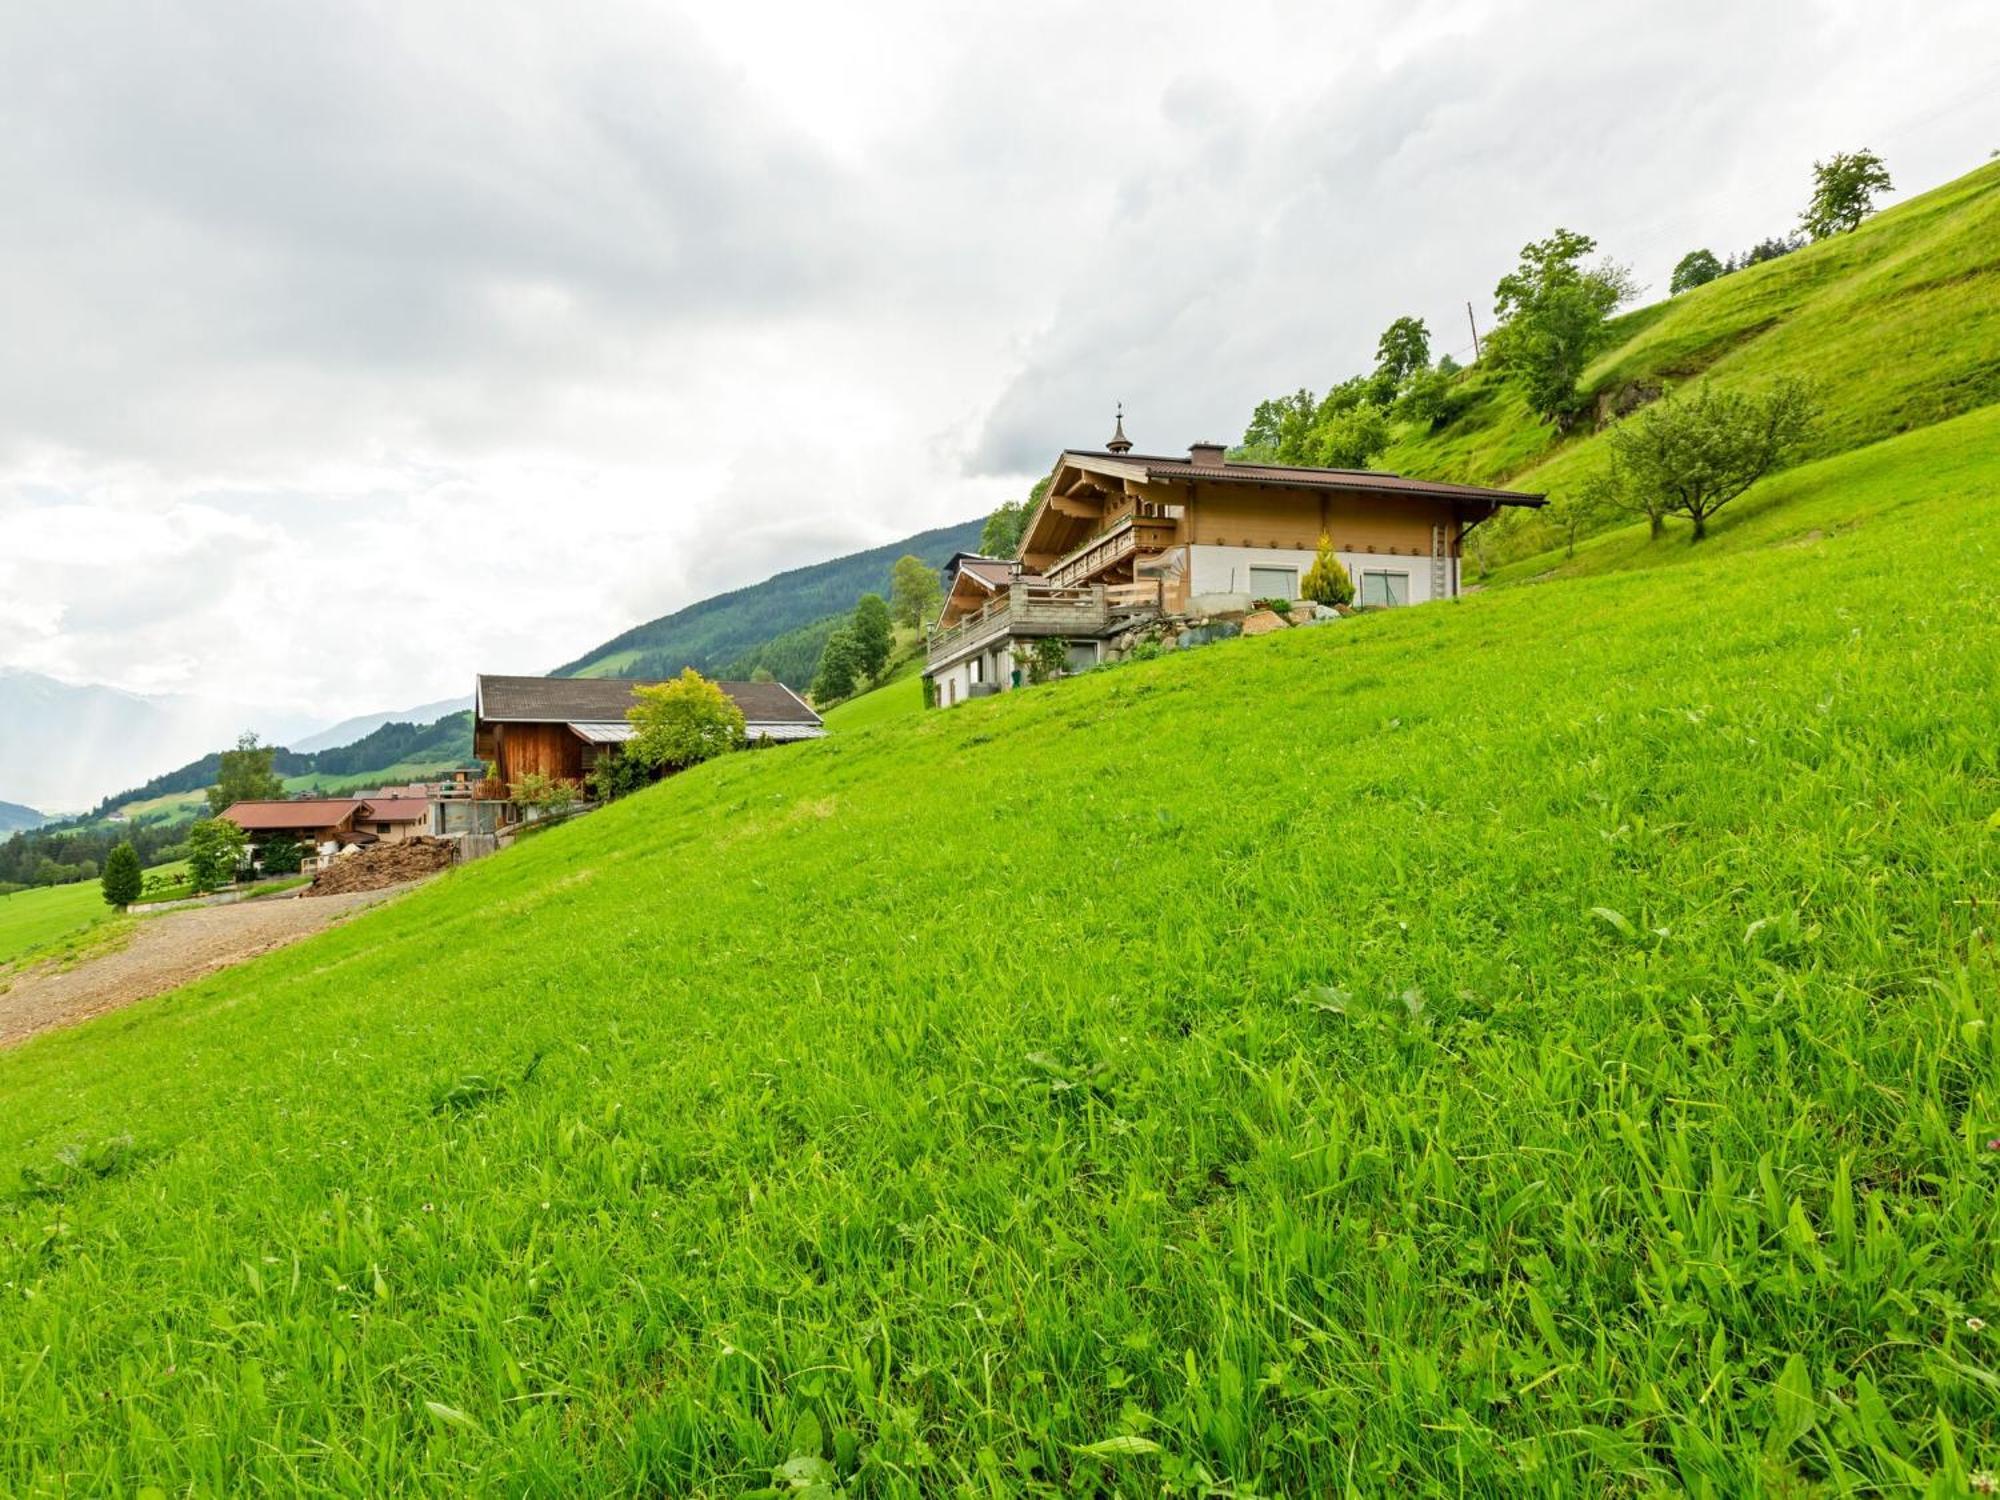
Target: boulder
(1263,622)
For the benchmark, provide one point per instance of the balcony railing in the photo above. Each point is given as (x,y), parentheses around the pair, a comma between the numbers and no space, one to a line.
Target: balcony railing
(1129,535)
(1039,609)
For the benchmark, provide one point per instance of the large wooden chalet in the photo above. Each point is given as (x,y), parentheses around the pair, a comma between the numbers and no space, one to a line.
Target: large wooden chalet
(558,726)
(1119,535)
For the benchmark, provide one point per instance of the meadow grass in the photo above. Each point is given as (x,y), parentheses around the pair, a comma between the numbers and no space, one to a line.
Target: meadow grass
(1897,325)
(901,698)
(1541,1044)
(61,921)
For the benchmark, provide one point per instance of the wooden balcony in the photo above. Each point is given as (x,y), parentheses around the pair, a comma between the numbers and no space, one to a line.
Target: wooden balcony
(1128,537)
(1039,609)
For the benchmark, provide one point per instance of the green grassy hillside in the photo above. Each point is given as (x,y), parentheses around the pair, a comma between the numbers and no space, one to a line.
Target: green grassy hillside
(731,631)
(1898,323)
(42,922)
(902,698)
(1539,1044)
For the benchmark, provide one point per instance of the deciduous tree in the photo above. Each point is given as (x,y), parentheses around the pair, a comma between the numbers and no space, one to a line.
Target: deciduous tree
(215,851)
(1696,268)
(682,722)
(873,635)
(914,591)
(1402,351)
(281,854)
(1350,438)
(1554,311)
(839,668)
(1001,536)
(1693,454)
(245,775)
(1844,189)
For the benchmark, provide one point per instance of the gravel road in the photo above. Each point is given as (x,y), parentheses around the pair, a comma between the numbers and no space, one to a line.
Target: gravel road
(166,951)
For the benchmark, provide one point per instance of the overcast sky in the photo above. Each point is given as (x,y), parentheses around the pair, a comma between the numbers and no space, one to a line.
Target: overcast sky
(350,349)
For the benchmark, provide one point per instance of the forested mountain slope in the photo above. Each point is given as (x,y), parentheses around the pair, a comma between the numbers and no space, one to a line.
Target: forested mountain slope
(729,630)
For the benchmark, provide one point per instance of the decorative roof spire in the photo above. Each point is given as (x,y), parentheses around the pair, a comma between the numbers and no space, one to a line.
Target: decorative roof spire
(1119,442)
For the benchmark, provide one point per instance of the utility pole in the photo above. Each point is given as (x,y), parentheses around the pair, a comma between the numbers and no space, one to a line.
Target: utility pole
(1475,333)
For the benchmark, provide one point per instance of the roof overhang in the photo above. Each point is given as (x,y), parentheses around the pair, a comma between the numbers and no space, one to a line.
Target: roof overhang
(599,732)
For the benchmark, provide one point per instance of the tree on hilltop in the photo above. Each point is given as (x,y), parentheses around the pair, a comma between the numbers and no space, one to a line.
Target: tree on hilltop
(1844,189)
(1696,268)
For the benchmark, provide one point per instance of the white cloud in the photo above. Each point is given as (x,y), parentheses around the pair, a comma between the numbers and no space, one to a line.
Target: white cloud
(354,349)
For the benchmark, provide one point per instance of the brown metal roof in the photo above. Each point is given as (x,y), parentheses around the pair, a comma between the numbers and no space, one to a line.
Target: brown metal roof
(564,700)
(1299,477)
(397,810)
(304,812)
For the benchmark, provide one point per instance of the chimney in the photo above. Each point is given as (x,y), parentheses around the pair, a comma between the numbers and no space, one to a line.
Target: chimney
(1206,455)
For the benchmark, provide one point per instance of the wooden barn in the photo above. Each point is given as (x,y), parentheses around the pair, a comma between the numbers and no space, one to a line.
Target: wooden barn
(558,726)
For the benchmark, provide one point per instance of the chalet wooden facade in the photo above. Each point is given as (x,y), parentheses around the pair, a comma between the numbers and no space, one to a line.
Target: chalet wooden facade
(558,726)
(1120,534)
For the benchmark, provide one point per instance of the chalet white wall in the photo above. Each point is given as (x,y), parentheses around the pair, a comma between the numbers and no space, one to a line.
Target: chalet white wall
(999,669)
(1226,570)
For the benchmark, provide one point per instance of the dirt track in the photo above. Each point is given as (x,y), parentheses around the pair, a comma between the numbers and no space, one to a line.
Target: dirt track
(166,951)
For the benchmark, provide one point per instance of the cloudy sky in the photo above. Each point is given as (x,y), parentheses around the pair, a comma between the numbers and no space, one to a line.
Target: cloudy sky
(354,348)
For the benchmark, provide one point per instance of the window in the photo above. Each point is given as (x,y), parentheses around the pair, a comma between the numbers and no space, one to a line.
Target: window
(1274,583)
(1385,588)
(976,669)
(1082,656)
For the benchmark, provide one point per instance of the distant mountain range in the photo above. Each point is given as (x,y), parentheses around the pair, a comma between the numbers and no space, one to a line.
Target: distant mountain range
(727,632)
(14,817)
(62,744)
(347,731)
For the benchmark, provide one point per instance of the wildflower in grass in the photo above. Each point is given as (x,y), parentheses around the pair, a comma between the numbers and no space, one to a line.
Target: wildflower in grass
(1983,1483)
(1974,1325)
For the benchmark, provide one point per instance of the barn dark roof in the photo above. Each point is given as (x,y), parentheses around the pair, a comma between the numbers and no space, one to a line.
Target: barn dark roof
(565,700)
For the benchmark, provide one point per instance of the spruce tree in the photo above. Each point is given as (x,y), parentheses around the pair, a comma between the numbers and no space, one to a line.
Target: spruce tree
(123,879)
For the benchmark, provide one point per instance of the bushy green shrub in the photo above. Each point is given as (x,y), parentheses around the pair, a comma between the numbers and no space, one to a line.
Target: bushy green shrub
(215,849)
(617,775)
(544,794)
(1326,581)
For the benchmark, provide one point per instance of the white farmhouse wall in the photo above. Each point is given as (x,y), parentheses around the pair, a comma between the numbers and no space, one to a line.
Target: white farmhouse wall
(955,682)
(1226,570)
